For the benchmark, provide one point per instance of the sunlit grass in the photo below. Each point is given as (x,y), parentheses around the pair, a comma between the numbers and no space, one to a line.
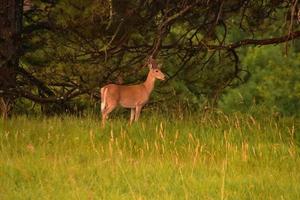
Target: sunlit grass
(195,157)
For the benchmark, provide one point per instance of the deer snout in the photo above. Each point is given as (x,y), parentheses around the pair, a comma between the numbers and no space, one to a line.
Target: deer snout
(162,77)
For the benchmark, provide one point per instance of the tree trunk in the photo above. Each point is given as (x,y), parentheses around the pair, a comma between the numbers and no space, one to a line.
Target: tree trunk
(10,38)
(5,107)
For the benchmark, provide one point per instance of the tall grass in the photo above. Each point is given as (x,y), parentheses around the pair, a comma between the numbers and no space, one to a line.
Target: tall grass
(194,157)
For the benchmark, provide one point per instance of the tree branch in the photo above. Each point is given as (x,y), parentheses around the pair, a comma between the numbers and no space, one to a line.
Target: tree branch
(258,42)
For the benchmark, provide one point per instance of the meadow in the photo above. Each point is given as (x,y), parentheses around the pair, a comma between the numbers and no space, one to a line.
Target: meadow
(213,156)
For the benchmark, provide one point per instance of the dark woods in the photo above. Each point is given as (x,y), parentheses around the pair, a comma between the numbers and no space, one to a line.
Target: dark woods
(58,53)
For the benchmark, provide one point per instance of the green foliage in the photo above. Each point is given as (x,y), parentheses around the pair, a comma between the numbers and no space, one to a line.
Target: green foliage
(274,83)
(201,156)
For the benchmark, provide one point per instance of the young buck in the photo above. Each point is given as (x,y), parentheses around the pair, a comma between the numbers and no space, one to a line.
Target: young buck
(130,96)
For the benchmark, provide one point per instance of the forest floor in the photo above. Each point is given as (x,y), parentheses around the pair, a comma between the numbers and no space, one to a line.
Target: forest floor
(217,156)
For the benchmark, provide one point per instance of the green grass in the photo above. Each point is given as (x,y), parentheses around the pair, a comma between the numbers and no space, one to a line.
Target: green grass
(197,157)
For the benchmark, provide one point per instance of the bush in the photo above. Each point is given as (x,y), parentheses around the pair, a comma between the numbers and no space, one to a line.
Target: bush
(274,84)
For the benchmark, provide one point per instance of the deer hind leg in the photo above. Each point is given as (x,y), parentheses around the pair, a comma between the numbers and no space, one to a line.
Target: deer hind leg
(106,111)
(107,105)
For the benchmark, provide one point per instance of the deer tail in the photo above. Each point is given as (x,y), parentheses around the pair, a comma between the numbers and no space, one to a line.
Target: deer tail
(103,92)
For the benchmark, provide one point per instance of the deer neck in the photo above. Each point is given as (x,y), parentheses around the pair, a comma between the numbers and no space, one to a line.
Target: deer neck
(149,83)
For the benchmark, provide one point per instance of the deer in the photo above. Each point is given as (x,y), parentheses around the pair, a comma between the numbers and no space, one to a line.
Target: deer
(130,96)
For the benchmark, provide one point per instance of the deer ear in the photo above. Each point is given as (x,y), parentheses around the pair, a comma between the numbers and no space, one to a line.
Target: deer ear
(150,66)
(150,59)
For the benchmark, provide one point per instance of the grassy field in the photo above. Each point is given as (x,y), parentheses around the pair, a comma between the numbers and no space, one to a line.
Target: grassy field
(199,157)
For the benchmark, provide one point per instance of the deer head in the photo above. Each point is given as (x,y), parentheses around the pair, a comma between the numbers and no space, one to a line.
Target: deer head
(154,69)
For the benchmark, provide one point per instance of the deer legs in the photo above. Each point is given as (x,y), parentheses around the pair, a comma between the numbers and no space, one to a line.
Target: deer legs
(138,109)
(132,114)
(135,113)
(105,113)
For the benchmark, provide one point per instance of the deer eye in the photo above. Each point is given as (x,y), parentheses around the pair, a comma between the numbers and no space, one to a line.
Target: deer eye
(156,70)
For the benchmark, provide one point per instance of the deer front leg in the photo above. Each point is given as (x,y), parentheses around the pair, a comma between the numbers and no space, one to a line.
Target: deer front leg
(138,109)
(132,114)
